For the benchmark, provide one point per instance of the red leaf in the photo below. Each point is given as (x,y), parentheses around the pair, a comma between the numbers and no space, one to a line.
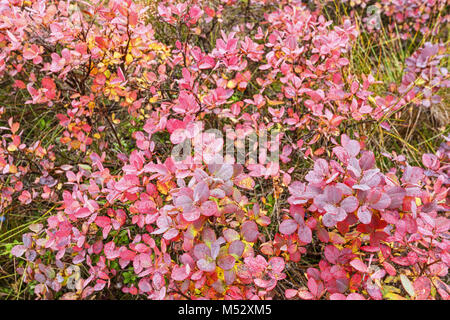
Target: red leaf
(127,255)
(312,286)
(331,253)
(389,269)
(103,221)
(323,235)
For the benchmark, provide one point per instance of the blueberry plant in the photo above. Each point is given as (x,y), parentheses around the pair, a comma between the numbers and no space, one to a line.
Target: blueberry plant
(96,95)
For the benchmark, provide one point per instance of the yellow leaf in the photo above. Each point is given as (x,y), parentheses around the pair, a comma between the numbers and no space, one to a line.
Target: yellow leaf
(418,202)
(220,273)
(231,84)
(372,99)
(394,296)
(12,169)
(12,147)
(129,59)
(419,81)
(129,100)
(274,102)
(246,183)
(91,105)
(163,187)
(389,279)
(114,120)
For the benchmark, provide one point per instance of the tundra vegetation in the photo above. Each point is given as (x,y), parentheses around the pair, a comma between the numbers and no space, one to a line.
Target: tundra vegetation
(351,98)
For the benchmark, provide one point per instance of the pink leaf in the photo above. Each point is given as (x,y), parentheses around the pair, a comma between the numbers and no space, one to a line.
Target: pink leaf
(359,265)
(338,296)
(103,221)
(201,251)
(304,233)
(170,234)
(277,264)
(226,262)
(237,247)
(349,204)
(374,291)
(290,293)
(249,230)
(355,296)
(18,250)
(244,181)
(127,254)
(331,253)
(205,265)
(178,136)
(422,288)
(352,148)
(191,215)
(201,192)
(288,227)
(312,286)
(305,294)
(209,208)
(364,215)
(144,285)
(180,273)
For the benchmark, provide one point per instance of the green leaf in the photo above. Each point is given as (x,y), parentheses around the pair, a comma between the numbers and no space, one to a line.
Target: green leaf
(42,124)
(85,167)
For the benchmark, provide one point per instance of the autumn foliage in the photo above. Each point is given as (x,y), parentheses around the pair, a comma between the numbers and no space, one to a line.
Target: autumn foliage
(96,94)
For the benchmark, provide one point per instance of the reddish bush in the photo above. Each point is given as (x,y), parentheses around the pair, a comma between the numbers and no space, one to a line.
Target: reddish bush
(130,86)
